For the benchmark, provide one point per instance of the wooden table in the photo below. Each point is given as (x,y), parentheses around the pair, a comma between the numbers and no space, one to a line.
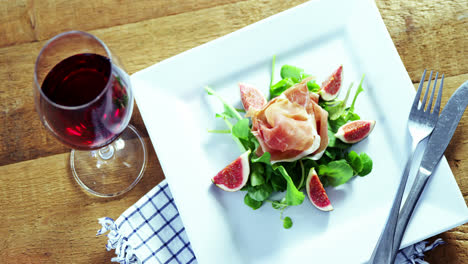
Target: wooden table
(45,216)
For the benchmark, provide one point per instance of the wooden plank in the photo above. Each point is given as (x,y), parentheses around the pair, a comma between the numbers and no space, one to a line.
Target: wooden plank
(28,20)
(429,34)
(454,251)
(139,45)
(49,219)
(15,22)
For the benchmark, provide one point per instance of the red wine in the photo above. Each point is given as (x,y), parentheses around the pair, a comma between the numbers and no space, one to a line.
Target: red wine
(87,103)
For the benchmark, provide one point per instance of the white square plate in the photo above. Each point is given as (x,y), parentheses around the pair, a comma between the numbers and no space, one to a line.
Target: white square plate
(316,36)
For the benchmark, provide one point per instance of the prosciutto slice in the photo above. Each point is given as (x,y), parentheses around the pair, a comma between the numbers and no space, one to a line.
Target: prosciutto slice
(291,126)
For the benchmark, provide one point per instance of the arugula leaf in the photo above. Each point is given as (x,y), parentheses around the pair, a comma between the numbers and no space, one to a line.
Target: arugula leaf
(251,202)
(229,110)
(265,158)
(304,75)
(268,172)
(313,86)
(293,196)
(272,70)
(292,72)
(302,175)
(279,205)
(338,172)
(338,115)
(280,87)
(238,141)
(334,125)
(240,132)
(336,108)
(351,116)
(331,153)
(251,143)
(219,131)
(278,182)
(241,129)
(366,164)
(358,91)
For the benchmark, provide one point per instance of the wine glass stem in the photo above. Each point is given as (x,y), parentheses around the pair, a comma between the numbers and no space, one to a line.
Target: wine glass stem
(106,152)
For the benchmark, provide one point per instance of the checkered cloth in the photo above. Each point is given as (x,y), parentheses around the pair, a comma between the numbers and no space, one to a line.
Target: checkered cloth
(151,231)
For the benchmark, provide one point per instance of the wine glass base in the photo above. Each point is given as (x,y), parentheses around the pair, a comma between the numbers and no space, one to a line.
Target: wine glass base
(114,169)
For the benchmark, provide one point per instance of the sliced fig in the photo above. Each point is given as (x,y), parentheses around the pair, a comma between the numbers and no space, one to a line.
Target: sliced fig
(355,131)
(235,175)
(316,193)
(331,86)
(251,97)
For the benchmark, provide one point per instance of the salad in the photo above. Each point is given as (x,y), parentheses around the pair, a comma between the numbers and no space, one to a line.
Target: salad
(297,142)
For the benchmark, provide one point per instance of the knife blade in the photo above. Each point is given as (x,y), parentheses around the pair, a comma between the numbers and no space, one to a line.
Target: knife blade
(436,146)
(445,128)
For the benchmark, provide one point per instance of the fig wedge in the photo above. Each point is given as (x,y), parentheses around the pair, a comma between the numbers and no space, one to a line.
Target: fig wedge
(316,193)
(235,175)
(355,131)
(251,97)
(331,86)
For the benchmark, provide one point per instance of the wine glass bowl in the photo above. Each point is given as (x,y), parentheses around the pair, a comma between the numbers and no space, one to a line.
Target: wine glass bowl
(84,98)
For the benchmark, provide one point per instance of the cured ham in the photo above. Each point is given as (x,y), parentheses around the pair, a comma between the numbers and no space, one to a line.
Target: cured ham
(291,126)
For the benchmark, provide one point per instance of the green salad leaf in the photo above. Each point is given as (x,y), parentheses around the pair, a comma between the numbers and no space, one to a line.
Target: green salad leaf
(229,110)
(265,158)
(355,161)
(260,192)
(339,114)
(313,86)
(290,75)
(292,72)
(338,172)
(336,108)
(358,91)
(256,174)
(366,164)
(280,87)
(287,222)
(241,129)
(293,196)
(254,204)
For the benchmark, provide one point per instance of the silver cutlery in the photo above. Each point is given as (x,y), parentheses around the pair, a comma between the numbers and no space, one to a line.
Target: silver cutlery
(438,142)
(421,123)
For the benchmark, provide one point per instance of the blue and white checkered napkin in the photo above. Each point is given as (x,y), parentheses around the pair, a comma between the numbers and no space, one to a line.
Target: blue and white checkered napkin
(151,231)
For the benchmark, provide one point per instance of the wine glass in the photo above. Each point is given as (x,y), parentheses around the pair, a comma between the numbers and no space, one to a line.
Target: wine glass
(84,98)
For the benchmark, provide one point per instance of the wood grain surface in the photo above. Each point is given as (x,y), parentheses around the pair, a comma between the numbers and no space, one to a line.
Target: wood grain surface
(45,216)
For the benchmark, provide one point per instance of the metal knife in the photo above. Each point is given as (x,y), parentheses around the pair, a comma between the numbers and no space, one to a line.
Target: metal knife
(438,142)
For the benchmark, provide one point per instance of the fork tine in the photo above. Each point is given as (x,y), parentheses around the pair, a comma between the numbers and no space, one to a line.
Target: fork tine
(423,104)
(439,97)
(429,105)
(418,93)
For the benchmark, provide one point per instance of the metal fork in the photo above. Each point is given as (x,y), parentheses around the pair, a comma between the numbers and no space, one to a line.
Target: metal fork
(421,123)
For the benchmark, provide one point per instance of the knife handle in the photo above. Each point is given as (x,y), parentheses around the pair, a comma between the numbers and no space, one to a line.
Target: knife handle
(408,208)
